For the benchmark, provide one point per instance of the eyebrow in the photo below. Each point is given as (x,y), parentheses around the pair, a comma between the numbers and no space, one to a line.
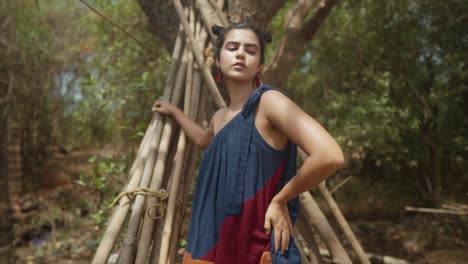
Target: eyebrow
(246,44)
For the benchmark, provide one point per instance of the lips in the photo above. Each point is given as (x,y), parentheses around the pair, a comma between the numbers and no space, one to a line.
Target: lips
(239,64)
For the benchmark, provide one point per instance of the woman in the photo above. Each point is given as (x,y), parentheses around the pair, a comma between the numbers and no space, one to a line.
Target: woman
(246,197)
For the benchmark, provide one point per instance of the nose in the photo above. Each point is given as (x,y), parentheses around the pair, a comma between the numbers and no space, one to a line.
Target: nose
(240,54)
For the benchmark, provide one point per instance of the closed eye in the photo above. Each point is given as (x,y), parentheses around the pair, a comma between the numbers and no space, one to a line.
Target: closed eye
(232,46)
(251,52)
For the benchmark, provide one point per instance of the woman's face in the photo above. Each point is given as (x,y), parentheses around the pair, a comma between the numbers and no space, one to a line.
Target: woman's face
(240,55)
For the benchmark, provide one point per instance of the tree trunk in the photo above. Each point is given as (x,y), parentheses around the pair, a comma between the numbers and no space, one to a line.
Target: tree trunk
(304,19)
(6,87)
(6,214)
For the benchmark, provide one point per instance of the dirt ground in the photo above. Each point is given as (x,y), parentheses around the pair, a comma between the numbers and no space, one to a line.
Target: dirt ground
(62,222)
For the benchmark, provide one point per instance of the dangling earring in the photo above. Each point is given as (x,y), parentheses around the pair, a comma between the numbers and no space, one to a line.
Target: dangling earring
(219,75)
(258,80)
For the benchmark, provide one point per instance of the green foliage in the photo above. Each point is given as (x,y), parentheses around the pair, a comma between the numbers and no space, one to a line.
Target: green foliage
(388,79)
(119,79)
(87,82)
(106,180)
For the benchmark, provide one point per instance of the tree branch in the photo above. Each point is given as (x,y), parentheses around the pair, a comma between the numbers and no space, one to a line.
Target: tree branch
(258,12)
(312,25)
(163,19)
(297,34)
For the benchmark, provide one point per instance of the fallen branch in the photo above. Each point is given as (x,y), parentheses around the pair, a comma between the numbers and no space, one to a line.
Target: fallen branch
(336,187)
(435,211)
(456,207)
(386,259)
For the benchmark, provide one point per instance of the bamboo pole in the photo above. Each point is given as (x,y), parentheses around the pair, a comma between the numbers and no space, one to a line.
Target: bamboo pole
(189,173)
(127,253)
(179,209)
(210,16)
(310,241)
(119,214)
(313,216)
(199,56)
(163,256)
(143,148)
(167,181)
(321,224)
(343,224)
(222,16)
(301,245)
(156,172)
(180,158)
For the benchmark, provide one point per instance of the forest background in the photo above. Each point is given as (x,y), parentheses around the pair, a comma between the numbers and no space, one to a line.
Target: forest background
(388,79)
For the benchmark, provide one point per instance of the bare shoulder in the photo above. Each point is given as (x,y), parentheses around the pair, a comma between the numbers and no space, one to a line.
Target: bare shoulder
(274,101)
(219,114)
(218,117)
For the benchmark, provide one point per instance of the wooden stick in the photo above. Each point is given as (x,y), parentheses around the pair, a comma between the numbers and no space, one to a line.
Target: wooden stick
(191,163)
(387,259)
(189,172)
(313,216)
(158,167)
(189,100)
(336,187)
(434,211)
(143,148)
(181,146)
(175,227)
(170,230)
(220,4)
(463,206)
(120,211)
(199,56)
(163,256)
(454,207)
(309,240)
(343,224)
(222,16)
(210,16)
(119,215)
(127,253)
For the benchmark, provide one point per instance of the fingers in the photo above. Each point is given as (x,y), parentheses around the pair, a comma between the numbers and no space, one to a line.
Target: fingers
(277,217)
(267,225)
(282,234)
(277,234)
(284,240)
(156,106)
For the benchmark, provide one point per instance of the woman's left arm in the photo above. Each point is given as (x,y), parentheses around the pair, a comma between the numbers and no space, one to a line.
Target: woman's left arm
(324,155)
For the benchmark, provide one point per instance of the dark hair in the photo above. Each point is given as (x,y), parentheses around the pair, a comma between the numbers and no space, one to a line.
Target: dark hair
(221,32)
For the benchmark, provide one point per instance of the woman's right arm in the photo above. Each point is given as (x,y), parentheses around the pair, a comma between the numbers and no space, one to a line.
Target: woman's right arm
(198,135)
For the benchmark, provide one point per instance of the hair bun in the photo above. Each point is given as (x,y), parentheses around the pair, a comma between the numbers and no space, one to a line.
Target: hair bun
(216,29)
(267,36)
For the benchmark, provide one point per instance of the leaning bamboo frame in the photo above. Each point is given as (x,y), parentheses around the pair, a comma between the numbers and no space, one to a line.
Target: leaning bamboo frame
(162,155)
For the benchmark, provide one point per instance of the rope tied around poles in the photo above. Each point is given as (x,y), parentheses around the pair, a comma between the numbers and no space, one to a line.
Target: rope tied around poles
(161,195)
